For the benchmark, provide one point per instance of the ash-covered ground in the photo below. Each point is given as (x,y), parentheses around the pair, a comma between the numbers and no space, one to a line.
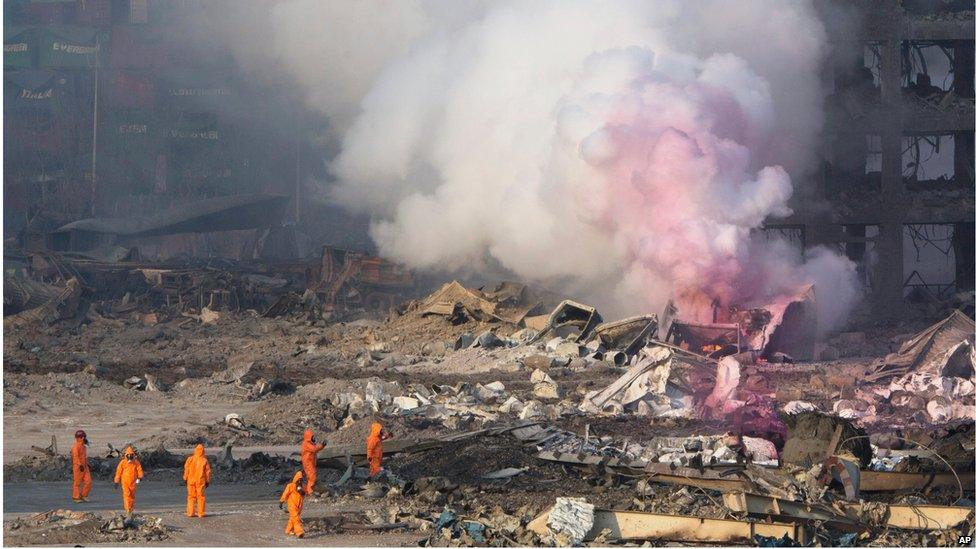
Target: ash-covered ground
(464,399)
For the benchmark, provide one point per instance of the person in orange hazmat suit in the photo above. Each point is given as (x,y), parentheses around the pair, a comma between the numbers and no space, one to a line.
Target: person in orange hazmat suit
(294,496)
(81,474)
(196,476)
(310,450)
(374,448)
(128,474)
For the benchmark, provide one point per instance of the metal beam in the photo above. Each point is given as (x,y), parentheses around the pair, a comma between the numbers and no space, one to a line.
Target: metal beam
(637,526)
(917,517)
(777,508)
(710,479)
(848,516)
(889,481)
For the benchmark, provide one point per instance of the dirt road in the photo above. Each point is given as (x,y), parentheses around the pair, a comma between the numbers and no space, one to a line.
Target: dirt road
(237,514)
(35,497)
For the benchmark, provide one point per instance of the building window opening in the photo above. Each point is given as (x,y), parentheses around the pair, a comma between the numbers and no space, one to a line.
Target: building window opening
(929,261)
(872,62)
(872,160)
(928,68)
(860,247)
(928,160)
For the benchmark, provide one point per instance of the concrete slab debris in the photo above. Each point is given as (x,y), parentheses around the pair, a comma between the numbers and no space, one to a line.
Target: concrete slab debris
(571,519)
(405,402)
(546,390)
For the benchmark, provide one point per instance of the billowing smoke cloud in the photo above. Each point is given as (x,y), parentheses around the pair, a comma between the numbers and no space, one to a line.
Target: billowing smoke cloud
(625,151)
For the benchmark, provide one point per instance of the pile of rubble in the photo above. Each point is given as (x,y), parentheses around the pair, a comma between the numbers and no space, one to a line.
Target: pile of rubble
(514,426)
(776,523)
(44,468)
(802,500)
(62,526)
(731,503)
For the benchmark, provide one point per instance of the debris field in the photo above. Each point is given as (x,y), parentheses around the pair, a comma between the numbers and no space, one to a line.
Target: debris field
(514,420)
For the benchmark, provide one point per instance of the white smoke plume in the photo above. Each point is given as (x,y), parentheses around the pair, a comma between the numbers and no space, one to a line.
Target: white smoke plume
(625,151)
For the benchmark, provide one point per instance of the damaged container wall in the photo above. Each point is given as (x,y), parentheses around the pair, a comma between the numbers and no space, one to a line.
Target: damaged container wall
(705,338)
(796,335)
(926,351)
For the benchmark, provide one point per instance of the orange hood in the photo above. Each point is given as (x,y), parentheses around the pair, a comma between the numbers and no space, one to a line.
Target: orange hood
(128,450)
(307,437)
(198,451)
(298,476)
(375,430)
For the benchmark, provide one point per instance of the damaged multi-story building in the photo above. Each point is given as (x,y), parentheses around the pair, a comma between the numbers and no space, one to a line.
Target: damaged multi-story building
(130,134)
(128,108)
(898,152)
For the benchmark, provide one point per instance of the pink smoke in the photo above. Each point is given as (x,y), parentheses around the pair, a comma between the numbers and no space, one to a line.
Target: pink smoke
(676,159)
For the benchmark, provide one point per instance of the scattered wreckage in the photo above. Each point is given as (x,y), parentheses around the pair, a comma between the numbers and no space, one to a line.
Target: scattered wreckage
(808,475)
(63,526)
(787,502)
(56,287)
(810,468)
(510,303)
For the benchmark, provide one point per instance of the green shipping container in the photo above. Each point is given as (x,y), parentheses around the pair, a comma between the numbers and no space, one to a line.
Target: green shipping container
(195,129)
(19,46)
(33,90)
(71,47)
(130,132)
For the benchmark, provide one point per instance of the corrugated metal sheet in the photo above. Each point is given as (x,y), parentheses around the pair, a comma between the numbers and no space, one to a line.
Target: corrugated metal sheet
(224,213)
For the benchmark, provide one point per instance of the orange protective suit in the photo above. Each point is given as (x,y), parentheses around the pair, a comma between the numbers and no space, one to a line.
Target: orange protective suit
(374,448)
(196,475)
(295,498)
(128,473)
(80,472)
(310,452)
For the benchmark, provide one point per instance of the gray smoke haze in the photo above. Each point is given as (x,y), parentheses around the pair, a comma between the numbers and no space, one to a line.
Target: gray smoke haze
(622,151)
